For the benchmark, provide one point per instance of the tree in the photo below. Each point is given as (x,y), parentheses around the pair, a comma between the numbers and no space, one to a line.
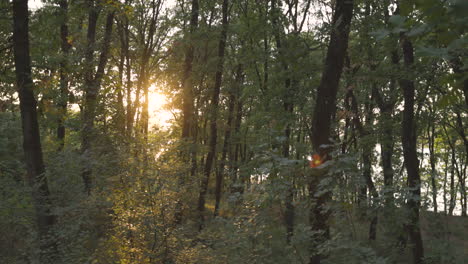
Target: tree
(64,80)
(92,82)
(35,176)
(409,141)
(322,117)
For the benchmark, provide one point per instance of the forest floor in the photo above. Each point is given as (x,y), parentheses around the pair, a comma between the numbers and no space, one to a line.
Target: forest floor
(451,231)
(445,239)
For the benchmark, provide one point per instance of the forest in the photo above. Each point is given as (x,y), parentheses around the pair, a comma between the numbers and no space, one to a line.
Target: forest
(233,131)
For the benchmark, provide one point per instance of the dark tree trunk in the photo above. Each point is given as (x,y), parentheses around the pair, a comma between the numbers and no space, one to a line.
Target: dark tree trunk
(462,175)
(227,137)
(386,108)
(214,118)
(35,176)
(129,84)
(409,141)
(322,117)
(432,158)
(92,84)
(234,157)
(120,115)
(187,104)
(63,98)
(446,161)
(453,192)
(367,150)
(386,142)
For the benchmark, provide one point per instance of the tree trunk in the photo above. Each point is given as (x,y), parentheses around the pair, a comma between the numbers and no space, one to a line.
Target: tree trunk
(432,158)
(227,137)
(462,176)
(409,141)
(322,118)
(120,115)
(35,176)
(63,98)
(214,118)
(446,161)
(386,141)
(453,192)
(92,85)
(366,159)
(187,104)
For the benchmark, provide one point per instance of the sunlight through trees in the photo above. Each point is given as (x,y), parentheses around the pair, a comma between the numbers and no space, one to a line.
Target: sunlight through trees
(222,131)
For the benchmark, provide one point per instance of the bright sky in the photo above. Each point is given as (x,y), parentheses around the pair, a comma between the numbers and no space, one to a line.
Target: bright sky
(35,4)
(156,108)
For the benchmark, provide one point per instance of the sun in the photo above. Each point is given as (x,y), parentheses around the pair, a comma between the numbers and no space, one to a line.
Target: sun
(158,113)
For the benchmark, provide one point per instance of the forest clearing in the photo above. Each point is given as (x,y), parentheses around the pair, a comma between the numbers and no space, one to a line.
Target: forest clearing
(233,131)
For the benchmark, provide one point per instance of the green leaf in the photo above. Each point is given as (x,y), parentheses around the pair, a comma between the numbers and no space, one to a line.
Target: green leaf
(418,30)
(397,20)
(432,52)
(380,34)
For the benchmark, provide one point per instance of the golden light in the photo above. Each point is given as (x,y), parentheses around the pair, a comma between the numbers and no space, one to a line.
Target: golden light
(158,113)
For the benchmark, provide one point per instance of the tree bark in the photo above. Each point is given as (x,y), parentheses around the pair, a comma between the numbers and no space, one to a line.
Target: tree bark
(366,160)
(453,191)
(214,118)
(432,158)
(386,142)
(187,104)
(227,137)
(63,98)
(323,112)
(409,142)
(32,148)
(92,84)
(462,175)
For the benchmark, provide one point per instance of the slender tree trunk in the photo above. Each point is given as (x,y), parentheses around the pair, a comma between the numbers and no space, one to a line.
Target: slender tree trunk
(366,159)
(387,154)
(453,192)
(409,141)
(120,116)
(129,84)
(32,148)
(214,118)
(227,137)
(462,175)
(148,52)
(187,104)
(386,108)
(63,98)
(446,161)
(234,157)
(432,158)
(322,118)
(92,85)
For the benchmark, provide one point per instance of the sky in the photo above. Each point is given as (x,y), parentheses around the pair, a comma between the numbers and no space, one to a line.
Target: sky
(34,4)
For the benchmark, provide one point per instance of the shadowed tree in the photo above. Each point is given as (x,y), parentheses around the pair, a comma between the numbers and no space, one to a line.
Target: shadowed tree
(92,82)
(324,110)
(35,176)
